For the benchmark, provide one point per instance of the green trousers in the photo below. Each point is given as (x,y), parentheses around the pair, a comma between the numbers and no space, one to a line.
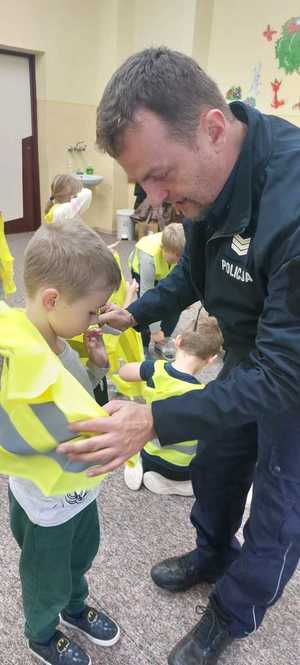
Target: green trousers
(53,563)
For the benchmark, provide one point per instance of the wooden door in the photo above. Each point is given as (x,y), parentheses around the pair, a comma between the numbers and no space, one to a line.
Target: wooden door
(19,181)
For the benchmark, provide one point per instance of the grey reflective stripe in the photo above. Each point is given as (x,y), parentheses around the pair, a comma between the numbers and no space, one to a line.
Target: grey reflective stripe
(53,420)
(188,450)
(11,440)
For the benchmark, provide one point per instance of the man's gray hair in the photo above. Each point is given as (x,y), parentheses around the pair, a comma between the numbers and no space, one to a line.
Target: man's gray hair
(166,82)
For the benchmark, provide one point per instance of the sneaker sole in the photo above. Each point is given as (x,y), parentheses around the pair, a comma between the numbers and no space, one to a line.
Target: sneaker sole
(47,662)
(133,476)
(101,643)
(160,486)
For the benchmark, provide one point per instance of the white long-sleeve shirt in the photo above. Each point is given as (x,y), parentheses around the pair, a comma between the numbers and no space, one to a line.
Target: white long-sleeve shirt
(72,210)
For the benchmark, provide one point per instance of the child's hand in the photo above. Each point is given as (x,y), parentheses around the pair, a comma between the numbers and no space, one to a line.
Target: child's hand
(131,291)
(95,348)
(114,246)
(158,337)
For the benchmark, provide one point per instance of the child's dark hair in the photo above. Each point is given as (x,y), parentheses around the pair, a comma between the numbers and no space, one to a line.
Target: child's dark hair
(205,341)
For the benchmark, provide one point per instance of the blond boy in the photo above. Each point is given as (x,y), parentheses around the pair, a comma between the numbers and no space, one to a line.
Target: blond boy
(68,274)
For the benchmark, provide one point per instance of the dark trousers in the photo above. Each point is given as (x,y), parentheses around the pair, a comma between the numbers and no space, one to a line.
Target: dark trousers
(53,564)
(166,325)
(101,392)
(251,577)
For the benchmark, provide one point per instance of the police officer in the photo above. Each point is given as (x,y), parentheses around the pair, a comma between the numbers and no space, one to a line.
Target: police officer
(235,174)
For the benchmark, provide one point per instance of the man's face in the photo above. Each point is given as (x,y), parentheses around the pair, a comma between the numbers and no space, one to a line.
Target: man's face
(185,174)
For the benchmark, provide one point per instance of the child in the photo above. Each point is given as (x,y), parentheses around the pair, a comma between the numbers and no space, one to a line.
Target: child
(68,200)
(165,469)
(152,259)
(68,274)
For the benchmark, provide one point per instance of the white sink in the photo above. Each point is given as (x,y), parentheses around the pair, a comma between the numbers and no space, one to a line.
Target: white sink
(89,180)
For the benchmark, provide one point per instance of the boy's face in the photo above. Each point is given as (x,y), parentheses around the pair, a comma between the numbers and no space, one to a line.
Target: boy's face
(170,257)
(70,319)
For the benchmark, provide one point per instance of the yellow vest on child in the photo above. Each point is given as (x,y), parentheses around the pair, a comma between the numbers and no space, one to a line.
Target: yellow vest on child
(6,262)
(38,398)
(151,245)
(165,385)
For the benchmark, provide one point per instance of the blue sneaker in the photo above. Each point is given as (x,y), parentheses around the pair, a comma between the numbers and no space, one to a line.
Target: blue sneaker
(59,651)
(97,626)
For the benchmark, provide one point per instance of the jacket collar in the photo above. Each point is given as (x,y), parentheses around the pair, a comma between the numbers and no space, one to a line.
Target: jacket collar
(234,203)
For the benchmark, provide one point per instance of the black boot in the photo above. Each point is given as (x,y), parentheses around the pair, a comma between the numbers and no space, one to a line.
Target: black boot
(205,642)
(182,572)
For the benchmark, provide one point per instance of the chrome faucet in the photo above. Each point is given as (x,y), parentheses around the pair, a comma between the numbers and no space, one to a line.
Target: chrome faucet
(79,147)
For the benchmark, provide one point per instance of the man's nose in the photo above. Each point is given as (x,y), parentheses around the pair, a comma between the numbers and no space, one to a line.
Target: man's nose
(156,194)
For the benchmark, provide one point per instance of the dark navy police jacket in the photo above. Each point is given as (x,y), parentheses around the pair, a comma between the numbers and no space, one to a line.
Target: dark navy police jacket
(243,263)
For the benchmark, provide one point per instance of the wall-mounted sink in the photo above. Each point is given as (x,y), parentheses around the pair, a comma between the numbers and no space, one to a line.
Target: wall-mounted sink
(89,180)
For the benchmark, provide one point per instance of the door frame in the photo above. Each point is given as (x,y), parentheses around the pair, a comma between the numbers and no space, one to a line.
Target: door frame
(15,226)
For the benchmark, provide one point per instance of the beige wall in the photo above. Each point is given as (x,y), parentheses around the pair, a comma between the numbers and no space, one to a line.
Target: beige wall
(75,43)
(164,23)
(237,46)
(79,45)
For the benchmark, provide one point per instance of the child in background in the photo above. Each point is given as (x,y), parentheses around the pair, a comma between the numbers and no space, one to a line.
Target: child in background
(69,274)
(68,200)
(166,469)
(152,259)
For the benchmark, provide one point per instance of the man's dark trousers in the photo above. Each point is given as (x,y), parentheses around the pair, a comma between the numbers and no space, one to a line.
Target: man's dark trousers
(222,473)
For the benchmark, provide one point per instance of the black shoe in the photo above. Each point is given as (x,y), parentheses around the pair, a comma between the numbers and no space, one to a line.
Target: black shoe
(97,626)
(205,642)
(60,651)
(182,572)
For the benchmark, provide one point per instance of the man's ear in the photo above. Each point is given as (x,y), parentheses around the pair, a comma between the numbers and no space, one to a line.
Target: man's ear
(50,298)
(213,123)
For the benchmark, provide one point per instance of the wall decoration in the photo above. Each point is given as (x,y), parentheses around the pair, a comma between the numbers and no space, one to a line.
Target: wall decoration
(269,33)
(256,80)
(276,103)
(234,94)
(287,47)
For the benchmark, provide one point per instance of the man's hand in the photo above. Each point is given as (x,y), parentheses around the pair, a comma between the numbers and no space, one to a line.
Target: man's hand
(122,435)
(116,317)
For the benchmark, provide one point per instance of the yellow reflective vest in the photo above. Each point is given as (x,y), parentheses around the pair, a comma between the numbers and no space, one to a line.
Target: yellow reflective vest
(6,262)
(38,398)
(179,454)
(151,245)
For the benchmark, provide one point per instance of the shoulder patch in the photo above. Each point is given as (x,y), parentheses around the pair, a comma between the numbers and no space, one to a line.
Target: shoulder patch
(240,245)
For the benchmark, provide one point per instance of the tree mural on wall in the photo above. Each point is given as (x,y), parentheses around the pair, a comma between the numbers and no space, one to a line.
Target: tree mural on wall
(287,47)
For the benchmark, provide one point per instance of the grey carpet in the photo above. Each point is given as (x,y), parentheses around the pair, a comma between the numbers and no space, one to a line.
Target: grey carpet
(138,530)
